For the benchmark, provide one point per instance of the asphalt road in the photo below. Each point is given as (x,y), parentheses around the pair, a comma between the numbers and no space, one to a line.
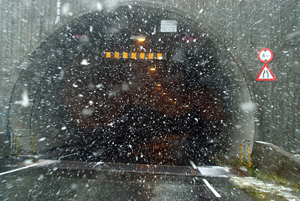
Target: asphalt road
(99,181)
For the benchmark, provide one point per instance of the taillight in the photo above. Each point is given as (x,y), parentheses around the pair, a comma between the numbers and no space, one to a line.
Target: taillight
(192,39)
(183,38)
(76,36)
(83,36)
(187,39)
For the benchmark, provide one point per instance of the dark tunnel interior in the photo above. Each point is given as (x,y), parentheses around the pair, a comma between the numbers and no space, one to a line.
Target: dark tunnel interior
(95,104)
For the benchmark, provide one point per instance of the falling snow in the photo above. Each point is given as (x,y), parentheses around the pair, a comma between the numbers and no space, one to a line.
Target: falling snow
(84,62)
(25,102)
(134,86)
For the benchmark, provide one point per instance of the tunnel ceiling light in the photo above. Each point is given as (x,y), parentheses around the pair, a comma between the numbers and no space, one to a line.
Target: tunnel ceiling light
(138,38)
(159,85)
(141,39)
(152,69)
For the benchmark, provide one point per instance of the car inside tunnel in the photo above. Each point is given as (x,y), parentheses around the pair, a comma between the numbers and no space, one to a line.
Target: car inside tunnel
(133,85)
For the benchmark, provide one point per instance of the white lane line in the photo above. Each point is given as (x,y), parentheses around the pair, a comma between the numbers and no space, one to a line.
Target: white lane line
(22,168)
(211,188)
(193,165)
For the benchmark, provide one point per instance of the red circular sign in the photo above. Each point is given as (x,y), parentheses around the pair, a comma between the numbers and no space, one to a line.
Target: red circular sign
(265,55)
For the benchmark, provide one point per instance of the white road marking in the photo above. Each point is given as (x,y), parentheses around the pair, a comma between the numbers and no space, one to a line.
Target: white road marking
(211,188)
(46,162)
(214,171)
(22,168)
(193,165)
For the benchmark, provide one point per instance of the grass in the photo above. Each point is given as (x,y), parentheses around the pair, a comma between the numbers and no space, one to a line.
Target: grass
(265,186)
(233,162)
(255,192)
(236,163)
(278,180)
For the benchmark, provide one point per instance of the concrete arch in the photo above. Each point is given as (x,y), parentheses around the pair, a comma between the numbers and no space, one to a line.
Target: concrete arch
(36,109)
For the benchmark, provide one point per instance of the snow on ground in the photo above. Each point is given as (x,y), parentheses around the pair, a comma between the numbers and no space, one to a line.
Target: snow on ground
(265,187)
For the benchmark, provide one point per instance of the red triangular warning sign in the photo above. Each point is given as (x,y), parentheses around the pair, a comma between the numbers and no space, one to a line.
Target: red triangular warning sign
(265,74)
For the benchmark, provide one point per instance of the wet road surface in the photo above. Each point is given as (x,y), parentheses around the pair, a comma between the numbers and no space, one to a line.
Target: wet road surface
(64,180)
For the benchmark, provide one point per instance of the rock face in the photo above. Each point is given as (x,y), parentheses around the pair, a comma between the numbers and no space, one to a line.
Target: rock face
(271,159)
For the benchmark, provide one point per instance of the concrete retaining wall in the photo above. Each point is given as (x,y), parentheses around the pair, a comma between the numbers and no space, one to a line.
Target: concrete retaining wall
(271,159)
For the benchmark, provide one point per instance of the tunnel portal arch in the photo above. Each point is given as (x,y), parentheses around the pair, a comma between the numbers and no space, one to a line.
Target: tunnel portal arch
(205,80)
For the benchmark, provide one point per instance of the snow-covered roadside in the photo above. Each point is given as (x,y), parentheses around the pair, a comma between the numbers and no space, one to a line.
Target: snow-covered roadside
(268,188)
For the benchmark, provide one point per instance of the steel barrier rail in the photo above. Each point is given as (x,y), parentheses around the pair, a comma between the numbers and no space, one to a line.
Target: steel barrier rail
(16,145)
(248,155)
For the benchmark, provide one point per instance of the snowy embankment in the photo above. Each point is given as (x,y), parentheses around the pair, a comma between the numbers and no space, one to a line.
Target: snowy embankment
(271,159)
(265,189)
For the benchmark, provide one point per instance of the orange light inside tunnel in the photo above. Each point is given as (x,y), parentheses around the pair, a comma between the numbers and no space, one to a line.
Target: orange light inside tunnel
(141,39)
(152,69)
(159,85)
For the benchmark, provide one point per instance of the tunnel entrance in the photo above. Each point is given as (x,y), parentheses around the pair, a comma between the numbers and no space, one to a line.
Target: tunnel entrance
(139,84)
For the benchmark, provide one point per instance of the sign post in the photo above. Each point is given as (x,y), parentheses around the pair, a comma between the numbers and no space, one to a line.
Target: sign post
(265,55)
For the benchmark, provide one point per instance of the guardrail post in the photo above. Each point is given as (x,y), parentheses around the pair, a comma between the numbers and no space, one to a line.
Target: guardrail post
(248,155)
(16,145)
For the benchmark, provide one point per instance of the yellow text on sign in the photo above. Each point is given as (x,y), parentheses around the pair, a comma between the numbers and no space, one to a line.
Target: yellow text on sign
(108,54)
(117,55)
(134,55)
(125,55)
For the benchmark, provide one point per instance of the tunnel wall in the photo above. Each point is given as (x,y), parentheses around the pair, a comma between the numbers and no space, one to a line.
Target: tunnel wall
(243,27)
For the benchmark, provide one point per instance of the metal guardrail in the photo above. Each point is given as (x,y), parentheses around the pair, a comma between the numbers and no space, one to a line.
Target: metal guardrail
(16,145)
(247,156)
